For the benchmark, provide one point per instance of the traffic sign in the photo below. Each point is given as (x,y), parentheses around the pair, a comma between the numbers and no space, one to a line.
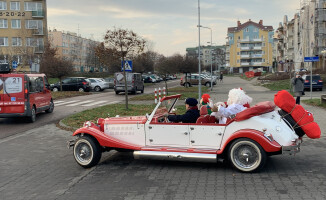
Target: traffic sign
(127,65)
(311,59)
(14,64)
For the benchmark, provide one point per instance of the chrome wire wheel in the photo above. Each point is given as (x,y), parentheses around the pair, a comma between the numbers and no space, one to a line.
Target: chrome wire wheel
(246,155)
(87,151)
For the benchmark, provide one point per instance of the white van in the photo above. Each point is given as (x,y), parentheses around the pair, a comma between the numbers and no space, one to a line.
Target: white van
(134,82)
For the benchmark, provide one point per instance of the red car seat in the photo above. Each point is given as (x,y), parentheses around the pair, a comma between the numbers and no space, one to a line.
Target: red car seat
(204,117)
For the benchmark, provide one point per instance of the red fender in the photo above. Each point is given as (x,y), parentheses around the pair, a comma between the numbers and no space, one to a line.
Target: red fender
(255,135)
(105,140)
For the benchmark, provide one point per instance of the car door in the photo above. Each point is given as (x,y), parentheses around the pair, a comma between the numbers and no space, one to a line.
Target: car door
(66,84)
(13,96)
(206,136)
(173,134)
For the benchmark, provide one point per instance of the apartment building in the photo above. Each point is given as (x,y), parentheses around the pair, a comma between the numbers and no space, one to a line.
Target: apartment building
(79,50)
(249,46)
(23,31)
(209,54)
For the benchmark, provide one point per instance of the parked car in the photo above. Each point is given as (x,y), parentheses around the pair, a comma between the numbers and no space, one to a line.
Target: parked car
(72,84)
(246,140)
(193,79)
(24,95)
(110,81)
(317,82)
(98,84)
(148,79)
(134,82)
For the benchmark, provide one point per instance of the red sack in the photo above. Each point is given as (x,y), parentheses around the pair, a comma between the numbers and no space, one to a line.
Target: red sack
(312,130)
(284,100)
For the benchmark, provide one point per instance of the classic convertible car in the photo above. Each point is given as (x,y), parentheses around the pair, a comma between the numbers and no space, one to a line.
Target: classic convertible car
(245,140)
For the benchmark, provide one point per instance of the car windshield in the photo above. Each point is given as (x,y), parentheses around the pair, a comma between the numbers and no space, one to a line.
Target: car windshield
(166,106)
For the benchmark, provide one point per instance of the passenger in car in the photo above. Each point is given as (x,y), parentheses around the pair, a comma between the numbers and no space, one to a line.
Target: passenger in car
(190,116)
(206,101)
(236,103)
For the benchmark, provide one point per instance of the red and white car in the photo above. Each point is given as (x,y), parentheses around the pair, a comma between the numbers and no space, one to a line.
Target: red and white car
(246,140)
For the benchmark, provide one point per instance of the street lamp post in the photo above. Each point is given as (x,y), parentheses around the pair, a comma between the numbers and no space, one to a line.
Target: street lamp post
(199,59)
(211,56)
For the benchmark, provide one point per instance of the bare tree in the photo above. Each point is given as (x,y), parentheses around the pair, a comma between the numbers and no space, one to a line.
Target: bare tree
(144,62)
(53,66)
(124,43)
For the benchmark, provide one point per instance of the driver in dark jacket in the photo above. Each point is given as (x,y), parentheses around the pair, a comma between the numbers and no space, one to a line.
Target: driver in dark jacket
(190,116)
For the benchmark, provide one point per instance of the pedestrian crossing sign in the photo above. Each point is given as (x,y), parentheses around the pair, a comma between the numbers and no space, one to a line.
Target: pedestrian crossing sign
(127,65)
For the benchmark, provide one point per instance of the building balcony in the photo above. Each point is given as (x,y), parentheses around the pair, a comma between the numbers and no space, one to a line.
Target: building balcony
(244,64)
(257,48)
(39,49)
(257,56)
(245,40)
(257,63)
(38,31)
(244,48)
(245,56)
(38,14)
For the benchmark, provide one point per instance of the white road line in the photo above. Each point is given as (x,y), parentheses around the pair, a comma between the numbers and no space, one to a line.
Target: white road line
(56,102)
(95,103)
(82,102)
(64,103)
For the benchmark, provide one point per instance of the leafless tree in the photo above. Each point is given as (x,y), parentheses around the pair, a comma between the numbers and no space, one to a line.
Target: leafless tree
(125,44)
(53,66)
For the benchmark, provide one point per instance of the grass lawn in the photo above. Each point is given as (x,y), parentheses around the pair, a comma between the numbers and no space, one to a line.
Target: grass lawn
(78,119)
(67,94)
(186,93)
(314,102)
(278,85)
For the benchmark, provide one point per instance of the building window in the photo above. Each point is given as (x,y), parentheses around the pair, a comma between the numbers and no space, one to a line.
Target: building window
(238,53)
(238,61)
(33,24)
(15,5)
(15,23)
(3,5)
(16,41)
(247,30)
(3,23)
(263,44)
(3,41)
(30,42)
(33,6)
(256,30)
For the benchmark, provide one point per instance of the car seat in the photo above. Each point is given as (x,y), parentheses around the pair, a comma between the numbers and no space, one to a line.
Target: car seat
(204,117)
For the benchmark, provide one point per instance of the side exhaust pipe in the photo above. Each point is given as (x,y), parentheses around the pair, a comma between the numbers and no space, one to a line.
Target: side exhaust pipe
(175,156)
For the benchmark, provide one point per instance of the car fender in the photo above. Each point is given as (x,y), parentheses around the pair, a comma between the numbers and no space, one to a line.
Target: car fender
(266,144)
(105,140)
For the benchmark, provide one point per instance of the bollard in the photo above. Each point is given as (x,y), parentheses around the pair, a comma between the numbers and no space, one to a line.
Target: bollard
(163,91)
(155,95)
(159,94)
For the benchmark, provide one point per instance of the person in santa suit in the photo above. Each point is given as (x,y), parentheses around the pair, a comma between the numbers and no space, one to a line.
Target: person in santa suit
(237,102)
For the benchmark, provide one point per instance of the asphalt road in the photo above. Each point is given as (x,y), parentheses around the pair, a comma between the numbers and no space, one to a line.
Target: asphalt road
(36,164)
(66,107)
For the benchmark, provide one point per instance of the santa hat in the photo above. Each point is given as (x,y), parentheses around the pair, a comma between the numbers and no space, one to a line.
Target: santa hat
(238,96)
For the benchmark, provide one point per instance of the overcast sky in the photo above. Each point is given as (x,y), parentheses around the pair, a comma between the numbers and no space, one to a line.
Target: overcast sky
(171,25)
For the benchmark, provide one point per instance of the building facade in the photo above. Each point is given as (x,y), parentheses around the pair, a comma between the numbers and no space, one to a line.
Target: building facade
(210,55)
(249,46)
(23,32)
(79,50)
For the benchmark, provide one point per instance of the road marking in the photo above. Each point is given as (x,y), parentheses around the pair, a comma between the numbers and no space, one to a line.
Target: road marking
(95,103)
(78,103)
(56,102)
(64,103)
